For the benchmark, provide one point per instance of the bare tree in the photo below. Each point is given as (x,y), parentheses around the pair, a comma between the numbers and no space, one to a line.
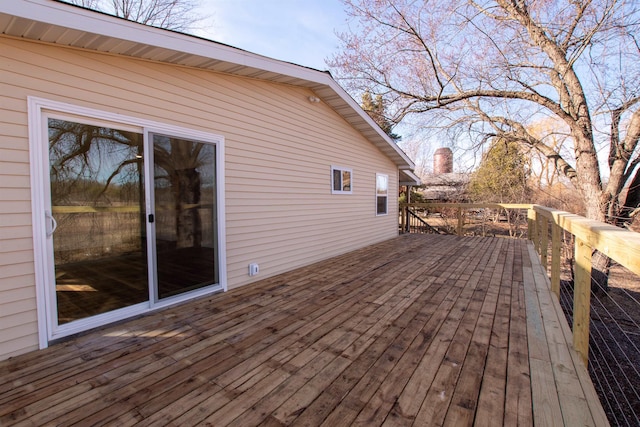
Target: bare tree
(177,15)
(493,68)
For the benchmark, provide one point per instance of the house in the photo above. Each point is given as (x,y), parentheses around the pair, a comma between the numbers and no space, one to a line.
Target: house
(449,187)
(140,167)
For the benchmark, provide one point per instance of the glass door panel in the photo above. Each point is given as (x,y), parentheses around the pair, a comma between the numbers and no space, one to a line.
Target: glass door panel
(97,219)
(185,215)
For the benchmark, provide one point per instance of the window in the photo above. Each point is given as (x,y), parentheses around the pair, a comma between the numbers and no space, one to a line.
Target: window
(382,190)
(341,180)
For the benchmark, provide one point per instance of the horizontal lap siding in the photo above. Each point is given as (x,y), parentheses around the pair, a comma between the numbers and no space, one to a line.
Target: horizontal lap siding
(279,149)
(17,280)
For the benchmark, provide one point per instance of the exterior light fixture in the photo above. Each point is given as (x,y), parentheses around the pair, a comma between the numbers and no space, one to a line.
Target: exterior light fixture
(314,99)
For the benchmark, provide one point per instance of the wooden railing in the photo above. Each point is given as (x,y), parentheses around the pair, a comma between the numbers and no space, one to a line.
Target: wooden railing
(460,213)
(544,228)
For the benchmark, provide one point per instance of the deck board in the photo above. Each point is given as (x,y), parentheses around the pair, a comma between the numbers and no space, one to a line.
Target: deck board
(418,330)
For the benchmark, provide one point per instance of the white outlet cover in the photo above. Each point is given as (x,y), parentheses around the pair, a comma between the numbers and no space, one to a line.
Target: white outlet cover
(253,269)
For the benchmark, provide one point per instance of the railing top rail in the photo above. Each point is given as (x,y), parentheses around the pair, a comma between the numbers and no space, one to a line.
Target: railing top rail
(469,205)
(622,246)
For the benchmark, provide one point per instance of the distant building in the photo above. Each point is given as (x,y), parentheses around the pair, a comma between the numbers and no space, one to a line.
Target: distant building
(443,161)
(443,184)
(446,187)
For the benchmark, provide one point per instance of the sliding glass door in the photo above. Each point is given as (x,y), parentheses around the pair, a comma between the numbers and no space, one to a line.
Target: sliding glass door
(131,223)
(96,219)
(185,215)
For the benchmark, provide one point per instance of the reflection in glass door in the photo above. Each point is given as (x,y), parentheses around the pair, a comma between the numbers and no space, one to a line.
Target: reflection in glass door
(97,219)
(131,223)
(185,215)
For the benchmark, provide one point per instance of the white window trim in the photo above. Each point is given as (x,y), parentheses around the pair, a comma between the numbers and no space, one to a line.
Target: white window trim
(341,169)
(39,109)
(386,195)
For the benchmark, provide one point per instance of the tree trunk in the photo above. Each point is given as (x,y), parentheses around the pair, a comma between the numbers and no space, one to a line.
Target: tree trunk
(591,189)
(632,201)
(600,267)
(186,188)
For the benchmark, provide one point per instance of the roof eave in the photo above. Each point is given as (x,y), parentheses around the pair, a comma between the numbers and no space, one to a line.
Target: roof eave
(64,24)
(407,177)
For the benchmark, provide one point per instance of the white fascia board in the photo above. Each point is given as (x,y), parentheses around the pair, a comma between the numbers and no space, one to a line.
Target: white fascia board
(407,177)
(76,18)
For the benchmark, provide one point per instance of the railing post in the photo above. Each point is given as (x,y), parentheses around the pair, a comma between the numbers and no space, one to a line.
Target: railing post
(556,246)
(408,220)
(403,209)
(460,229)
(543,238)
(537,233)
(531,225)
(581,299)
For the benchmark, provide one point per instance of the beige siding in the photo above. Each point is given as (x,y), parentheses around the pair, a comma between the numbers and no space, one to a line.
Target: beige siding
(279,149)
(17,283)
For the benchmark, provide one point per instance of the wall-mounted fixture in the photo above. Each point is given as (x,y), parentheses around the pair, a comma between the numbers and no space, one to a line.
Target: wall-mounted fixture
(253,269)
(314,99)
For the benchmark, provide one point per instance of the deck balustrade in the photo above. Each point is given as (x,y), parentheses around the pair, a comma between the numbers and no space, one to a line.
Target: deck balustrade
(566,244)
(622,246)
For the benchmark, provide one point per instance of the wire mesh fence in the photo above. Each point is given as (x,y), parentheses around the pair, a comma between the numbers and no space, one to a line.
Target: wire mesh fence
(614,340)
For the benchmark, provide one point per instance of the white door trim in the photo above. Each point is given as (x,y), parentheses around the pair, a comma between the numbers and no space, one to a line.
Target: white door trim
(38,109)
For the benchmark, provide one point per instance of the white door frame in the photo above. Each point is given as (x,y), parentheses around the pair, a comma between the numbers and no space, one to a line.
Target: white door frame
(39,110)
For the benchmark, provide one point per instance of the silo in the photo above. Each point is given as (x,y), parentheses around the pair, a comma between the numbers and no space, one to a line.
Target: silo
(443,161)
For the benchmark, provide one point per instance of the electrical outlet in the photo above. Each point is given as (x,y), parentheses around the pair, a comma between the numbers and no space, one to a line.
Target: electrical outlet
(253,269)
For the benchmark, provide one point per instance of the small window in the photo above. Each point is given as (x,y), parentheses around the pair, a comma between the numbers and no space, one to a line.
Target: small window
(382,193)
(341,180)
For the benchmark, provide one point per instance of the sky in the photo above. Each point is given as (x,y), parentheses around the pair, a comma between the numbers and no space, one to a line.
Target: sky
(297,31)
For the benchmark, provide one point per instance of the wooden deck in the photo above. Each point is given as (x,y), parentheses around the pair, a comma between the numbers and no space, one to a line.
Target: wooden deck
(420,330)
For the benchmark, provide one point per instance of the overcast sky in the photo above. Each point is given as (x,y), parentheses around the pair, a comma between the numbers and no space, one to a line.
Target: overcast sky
(298,31)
